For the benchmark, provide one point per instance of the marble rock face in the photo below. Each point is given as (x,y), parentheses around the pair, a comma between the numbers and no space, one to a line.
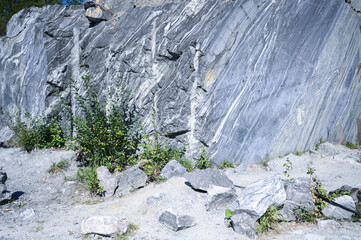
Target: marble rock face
(246,79)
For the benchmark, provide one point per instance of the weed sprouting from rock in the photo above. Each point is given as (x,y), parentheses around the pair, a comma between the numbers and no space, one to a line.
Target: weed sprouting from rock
(157,156)
(58,167)
(203,162)
(226,164)
(351,145)
(268,220)
(318,144)
(288,168)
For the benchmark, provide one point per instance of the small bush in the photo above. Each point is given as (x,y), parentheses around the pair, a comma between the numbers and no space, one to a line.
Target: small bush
(304,215)
(60,166)
(226,164)
(157,157)
(264,163)
(37,132)
(351,145)
(268,220)
(107,137)
(187,164)
(203,162)
(89,176)
(318,144)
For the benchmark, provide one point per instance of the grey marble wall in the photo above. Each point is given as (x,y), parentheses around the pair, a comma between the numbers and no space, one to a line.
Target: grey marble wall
(247,80)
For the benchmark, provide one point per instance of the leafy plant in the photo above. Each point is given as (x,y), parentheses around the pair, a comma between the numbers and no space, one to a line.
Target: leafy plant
(299,153)
(358,209)
(288,168)
(318,144)
(36,132)
(60,166)
(203,162)
(226,164)
(318,192)
(351,145)
(89,176)
(304,215)
(229,214)
(156,155)
(107,137)
(187,164)
(268,220)
(264,163)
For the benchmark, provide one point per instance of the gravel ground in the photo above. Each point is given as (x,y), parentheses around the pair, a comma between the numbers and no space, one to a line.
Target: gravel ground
(52,206)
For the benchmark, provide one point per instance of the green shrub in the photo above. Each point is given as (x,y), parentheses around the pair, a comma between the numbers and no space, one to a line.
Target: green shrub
(264,163)
(268,220)
(351,145)
(60,166)
(156,157)
(318,144)
(187,164)
(89,176)
(304,215)
(203,162)
(37,132)
(320,194)
(106,138)
(226,164)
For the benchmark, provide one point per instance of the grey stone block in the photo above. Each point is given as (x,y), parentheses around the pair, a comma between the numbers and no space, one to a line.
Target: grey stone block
(204,179)
(130,179)
(257,197)
(337,212)
(245,224)
(173,169)
(104,225)
(220,197)
(328,224)
(176,221)
(107,181)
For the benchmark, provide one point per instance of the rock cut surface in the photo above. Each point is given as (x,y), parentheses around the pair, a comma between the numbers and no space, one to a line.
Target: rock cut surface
(247,79)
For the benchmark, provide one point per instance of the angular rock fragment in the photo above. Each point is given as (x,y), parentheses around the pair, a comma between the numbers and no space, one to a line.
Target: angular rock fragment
(337,212)
(327,224)
(245,224)
(298,192)
(130,179)
(203,179)
(328,149)
(299,197)
(176,221)
(96,13)
(173,169)
(220,197)
(257,197)
(107,181)
(104,225)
